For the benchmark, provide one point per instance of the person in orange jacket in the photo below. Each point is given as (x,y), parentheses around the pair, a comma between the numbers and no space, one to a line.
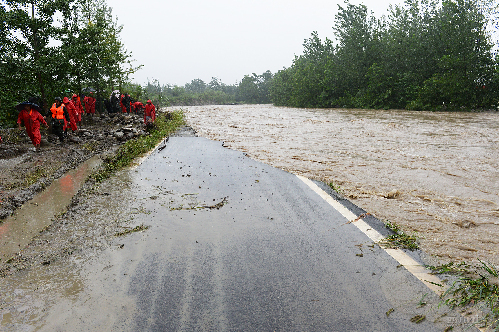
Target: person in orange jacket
(149,113)
(30,115)
(138,106)
(72,113)
(60,115)
(122,103)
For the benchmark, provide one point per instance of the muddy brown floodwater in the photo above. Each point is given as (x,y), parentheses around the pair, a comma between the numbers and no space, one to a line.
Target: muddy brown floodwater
(434,173)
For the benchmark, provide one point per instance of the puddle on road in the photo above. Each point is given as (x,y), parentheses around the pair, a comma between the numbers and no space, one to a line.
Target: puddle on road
(65,291)
(19,229)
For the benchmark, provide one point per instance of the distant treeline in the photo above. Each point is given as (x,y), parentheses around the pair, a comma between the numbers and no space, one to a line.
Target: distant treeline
(252,89)
(425,55)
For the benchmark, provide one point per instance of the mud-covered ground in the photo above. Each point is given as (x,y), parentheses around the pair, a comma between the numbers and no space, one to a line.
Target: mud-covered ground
(107,206)
(25,172)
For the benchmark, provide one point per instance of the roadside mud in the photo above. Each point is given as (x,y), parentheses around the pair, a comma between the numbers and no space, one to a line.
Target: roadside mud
(52,269)
(24,172)
(434,173)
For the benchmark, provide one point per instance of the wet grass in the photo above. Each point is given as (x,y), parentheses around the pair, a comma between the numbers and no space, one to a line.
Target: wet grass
(399,239)
(335,187)
(476,285)
(30,178)
(90,146)
(164,126)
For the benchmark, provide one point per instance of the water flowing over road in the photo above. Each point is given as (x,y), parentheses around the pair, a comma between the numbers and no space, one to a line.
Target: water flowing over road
(434,173)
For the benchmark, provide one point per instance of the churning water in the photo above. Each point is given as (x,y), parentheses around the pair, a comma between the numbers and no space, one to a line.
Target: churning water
(434,173)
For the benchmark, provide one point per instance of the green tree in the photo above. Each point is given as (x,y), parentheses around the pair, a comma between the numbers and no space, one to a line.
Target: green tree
(464,60)
(196,86)
(255,89)
(427,54)
(92,47)
(41,57)
(28,57)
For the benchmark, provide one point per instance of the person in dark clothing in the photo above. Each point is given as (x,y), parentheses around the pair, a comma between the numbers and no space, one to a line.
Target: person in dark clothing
(126,102)
(107,105)
(115,103)
(59,113)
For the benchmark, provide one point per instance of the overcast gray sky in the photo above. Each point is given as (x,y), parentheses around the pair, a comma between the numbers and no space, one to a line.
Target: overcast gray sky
(178,41)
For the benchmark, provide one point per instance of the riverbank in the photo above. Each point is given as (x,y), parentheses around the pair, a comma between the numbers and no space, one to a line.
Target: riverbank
(57,240)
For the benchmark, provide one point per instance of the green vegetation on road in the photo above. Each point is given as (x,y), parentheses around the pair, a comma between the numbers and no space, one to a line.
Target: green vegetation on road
(165,125)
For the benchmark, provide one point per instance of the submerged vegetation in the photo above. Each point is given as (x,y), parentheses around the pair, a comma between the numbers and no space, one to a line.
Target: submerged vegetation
(475,285)
(128,230)
(399,239)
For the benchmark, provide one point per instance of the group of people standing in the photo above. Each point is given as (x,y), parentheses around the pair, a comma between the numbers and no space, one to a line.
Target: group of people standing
(66,113)
(125,103)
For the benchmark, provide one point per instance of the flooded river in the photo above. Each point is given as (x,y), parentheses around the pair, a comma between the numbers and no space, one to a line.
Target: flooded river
(435,174)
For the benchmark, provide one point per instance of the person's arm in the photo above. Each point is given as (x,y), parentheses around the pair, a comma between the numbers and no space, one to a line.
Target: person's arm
(42,120)
(19,119)
(66,114)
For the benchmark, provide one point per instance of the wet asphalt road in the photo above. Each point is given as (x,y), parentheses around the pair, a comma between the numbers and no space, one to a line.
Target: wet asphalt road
(236,245)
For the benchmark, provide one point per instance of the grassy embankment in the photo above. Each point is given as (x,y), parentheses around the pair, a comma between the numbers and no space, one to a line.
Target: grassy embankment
(165,125)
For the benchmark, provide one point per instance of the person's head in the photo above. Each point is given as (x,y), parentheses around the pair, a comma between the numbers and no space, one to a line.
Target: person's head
(149,101)
(65,100)
(58,101)
(75,96)
(27,107)
(34,100)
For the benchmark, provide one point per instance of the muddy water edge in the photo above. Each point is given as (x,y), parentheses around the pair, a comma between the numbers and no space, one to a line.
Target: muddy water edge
(434,173)
(18,230)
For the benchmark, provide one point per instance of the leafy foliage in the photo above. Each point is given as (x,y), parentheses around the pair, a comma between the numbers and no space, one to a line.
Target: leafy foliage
(49,47)
(427,54)
(399,239)
(252,89)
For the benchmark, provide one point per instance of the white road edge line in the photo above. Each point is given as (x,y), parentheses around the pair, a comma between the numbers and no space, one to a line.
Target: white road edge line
(418,270)
(140,160)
